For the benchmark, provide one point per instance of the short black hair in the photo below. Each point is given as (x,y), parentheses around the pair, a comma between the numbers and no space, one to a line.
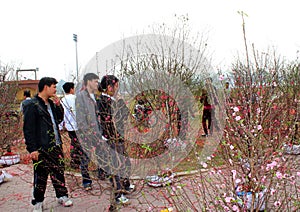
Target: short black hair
(89,77)
(68,86)
(46,81)
(27,93)
(106,81)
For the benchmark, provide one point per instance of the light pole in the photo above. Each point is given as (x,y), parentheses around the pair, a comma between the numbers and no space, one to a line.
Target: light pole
(75,39)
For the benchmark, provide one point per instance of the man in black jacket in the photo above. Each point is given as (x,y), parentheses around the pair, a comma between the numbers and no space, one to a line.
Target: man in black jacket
(41,118)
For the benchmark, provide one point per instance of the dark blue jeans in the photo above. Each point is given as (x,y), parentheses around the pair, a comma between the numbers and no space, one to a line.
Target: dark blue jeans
(84,167)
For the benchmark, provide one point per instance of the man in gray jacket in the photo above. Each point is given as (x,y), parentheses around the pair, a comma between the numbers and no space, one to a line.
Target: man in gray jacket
(89,132)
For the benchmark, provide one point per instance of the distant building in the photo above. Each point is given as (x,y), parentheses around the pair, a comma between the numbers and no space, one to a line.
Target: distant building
(23,85)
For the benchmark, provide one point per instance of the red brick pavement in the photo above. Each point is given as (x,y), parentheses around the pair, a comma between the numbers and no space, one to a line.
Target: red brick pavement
(16,194)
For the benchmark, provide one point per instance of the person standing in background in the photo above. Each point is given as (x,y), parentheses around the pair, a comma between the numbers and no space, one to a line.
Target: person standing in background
(27,98)
(69,123)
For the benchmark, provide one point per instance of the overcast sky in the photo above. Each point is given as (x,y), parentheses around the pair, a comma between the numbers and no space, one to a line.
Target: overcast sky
(38,33)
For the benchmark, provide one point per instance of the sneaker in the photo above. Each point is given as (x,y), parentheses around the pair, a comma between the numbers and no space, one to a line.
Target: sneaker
(65,201)
(122,200)
(38,207)
(130,188)
(87,186)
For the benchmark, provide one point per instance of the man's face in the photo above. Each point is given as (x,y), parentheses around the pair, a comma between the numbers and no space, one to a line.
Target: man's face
(72,91)
(50,90)
(93,84)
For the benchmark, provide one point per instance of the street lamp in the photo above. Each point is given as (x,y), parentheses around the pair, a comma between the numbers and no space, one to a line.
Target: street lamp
(75,39)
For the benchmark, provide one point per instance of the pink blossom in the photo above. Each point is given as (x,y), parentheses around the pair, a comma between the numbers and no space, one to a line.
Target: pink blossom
(226,208)
(228,199)
(271,165)
(279,175)
(263,179)
(237,181)
(221,77)
(237,118)
(272,191)
(212,172)
(233,173)
(277,203)
(298,174)
(236,109)
(239,188)
(231,147)
(235,208)
(204,164)
(259,127)
(258,110)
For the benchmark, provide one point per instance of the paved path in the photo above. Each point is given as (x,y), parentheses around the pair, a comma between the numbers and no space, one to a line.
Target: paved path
(16,194)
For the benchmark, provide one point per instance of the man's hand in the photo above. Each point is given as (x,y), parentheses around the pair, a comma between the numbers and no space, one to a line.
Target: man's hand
(56,100)
(34,155)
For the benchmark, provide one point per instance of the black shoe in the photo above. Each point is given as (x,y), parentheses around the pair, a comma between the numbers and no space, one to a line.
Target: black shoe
(204,135)
(87,186)
(102,176)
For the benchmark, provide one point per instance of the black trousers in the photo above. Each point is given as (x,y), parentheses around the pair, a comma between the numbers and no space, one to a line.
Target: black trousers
(121,180)
(79,158)
(207,121)
(75,150)
(183,124)
(50,162)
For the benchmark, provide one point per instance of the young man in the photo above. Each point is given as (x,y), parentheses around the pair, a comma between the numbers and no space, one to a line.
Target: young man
(69,122)
(41,118)
(111,121)
(89,133)
(27,98)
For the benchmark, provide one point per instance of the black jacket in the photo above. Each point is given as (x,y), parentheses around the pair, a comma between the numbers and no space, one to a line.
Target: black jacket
(38,128)
(106,108)
(112,116)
